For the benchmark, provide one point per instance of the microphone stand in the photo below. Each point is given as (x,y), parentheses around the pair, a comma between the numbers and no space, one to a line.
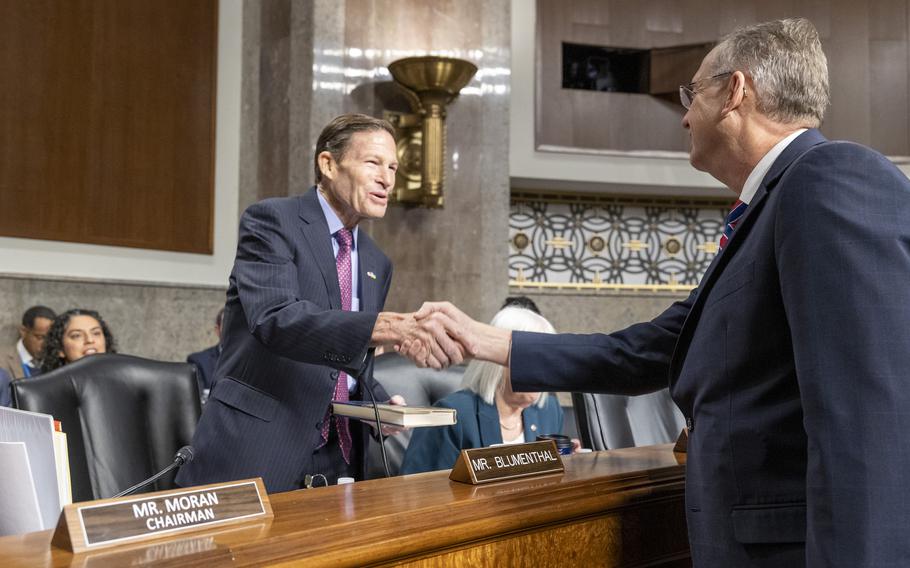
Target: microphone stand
(385,459)
(180,459)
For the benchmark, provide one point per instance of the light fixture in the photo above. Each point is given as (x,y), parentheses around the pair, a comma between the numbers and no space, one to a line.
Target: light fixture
(429,83)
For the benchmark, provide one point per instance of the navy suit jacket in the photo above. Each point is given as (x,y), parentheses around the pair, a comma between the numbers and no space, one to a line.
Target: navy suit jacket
(6,395)
(477,427)
(284,339)
(791,361)
(205,362)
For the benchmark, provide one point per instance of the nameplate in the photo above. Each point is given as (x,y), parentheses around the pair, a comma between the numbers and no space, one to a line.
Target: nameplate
(485,465)
(682,443)
(110,522)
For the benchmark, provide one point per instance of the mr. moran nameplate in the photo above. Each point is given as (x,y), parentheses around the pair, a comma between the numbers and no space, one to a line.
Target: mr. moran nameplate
(129,519)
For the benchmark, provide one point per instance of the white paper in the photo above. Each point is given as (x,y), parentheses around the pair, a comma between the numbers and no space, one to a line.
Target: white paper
(37,431)
(19,512)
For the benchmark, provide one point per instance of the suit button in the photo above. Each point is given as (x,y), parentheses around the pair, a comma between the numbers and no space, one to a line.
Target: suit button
(690,424)
(319,425)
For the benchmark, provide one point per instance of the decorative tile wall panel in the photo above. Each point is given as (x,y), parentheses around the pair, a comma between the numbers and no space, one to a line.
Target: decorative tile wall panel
(563,241)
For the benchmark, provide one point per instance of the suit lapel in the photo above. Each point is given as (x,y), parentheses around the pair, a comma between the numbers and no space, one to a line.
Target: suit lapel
(370,278)
(531,418)
(797,148)
(316,233)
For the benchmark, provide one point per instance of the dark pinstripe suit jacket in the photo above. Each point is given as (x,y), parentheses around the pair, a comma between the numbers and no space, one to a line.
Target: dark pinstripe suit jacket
(791,363)
(285,337)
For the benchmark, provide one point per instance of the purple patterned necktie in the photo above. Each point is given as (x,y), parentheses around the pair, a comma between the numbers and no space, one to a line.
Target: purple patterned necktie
(343,265)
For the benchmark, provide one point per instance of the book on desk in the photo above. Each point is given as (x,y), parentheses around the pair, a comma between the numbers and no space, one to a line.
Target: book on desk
(396,415)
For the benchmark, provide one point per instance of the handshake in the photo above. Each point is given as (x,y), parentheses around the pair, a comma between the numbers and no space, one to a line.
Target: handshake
(439,335)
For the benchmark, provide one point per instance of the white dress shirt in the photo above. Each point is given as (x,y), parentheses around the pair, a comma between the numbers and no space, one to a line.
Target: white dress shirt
(763,165)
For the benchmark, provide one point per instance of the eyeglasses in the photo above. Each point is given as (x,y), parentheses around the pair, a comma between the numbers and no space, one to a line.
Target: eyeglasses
(687,92)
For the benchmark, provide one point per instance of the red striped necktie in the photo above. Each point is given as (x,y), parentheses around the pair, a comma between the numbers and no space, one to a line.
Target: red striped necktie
(736,213)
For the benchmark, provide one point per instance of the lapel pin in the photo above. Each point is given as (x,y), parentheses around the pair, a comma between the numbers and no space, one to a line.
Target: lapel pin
(371,275)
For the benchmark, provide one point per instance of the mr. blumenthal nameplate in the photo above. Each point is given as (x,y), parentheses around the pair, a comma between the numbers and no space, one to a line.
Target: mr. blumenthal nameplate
(109,522)
(484,465)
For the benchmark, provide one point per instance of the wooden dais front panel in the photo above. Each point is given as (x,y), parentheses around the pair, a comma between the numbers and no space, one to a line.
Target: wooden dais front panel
(617,508)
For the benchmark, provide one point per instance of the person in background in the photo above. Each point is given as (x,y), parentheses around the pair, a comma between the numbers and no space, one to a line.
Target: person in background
(488,411)
(21,360)
(75,334)
(206,359)
(521,302)
(5,394)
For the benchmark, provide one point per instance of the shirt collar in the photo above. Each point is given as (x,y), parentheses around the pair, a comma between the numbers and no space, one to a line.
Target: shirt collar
(24,355)
(332,219)
(760,169)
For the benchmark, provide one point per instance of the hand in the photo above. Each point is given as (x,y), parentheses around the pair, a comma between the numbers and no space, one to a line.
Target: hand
(389,430)
(445,323)
(576,445)
(436,340)
(433,339)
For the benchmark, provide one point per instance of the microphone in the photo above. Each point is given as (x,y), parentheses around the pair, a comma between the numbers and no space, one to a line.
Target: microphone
(183,455)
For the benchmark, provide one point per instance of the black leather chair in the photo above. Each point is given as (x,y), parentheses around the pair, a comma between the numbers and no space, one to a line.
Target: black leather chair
(124,418)
(419,387)
(608,422)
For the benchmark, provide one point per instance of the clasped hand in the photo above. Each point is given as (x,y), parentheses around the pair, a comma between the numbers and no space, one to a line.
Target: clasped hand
(437,335)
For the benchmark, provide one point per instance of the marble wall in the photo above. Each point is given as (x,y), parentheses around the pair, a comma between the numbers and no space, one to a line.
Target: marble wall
(601,311)
(165,322)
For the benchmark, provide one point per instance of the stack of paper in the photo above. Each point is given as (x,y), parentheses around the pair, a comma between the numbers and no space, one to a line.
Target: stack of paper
(62,461)
(29,469)
(20,512)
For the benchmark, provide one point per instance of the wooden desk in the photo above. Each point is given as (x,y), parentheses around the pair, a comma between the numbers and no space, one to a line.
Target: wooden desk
(617,508)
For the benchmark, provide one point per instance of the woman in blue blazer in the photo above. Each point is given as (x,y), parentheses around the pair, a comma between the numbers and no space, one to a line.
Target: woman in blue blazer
(487,410)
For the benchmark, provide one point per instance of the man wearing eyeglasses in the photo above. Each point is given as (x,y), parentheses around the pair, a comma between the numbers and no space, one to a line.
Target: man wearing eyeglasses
(791,361)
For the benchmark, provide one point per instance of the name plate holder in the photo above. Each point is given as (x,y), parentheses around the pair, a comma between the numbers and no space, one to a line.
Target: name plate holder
(93,525)
(501,463)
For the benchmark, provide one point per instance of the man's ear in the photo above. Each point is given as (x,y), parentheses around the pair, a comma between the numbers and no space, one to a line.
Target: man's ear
(736,92)
(22,331)
(327,164)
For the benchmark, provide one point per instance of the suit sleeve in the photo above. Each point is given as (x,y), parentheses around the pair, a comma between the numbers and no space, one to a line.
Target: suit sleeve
(266,274)
(842,242)
(632,361)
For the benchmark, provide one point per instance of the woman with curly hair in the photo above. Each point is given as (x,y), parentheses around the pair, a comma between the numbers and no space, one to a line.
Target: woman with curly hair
(73,335)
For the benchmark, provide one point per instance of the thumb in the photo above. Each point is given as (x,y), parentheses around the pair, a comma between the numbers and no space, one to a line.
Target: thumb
(427,308)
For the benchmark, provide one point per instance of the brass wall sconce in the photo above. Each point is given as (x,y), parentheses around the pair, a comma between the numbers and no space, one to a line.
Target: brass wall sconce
(429,83)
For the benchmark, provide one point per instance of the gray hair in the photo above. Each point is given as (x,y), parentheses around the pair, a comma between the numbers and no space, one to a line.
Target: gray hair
(787,66)
(484,378)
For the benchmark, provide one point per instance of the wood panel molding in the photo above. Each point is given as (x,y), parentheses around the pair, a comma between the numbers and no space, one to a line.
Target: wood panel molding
(107,136)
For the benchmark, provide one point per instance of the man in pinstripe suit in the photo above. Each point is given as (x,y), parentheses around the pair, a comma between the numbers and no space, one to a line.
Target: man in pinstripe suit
(294,336)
